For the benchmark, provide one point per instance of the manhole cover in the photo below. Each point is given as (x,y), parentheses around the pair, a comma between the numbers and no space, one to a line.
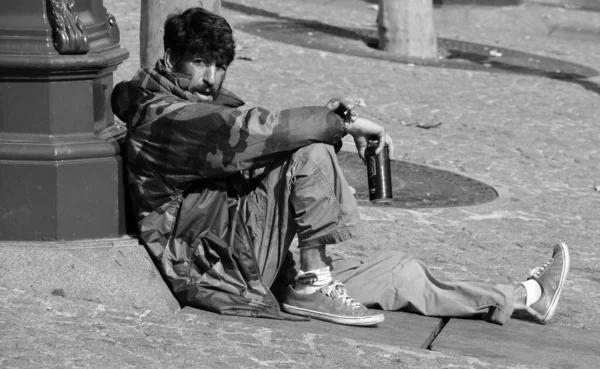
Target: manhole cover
(460,54)
(417,186)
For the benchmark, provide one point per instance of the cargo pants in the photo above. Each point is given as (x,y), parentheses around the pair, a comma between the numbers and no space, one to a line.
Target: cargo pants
(306,195)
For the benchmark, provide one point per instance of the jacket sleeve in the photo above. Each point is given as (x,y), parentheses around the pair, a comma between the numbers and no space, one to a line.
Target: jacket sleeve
(203,140)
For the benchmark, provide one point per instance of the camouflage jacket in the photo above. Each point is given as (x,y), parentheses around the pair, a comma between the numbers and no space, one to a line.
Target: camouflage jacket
(185,161)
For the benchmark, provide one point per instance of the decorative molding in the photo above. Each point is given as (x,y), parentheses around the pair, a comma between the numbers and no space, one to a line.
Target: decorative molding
(69,34)
(111,20)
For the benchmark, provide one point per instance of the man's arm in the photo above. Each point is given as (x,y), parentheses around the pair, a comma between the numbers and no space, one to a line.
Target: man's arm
(196,141)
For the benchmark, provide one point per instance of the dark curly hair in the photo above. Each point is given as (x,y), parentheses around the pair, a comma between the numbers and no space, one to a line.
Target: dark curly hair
(200,32)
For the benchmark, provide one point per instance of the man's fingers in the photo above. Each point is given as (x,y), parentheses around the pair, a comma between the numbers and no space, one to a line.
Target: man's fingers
(381,141)
(333,104)
(361,154)
(341,103)
(390,144)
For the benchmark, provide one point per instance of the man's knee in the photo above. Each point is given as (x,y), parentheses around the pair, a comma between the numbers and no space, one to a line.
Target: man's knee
(318,153)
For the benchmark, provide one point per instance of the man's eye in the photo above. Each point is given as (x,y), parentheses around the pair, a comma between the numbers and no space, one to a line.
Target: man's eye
(221,66)
(198,61)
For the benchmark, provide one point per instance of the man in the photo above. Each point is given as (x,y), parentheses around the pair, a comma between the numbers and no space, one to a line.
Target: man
(221,190)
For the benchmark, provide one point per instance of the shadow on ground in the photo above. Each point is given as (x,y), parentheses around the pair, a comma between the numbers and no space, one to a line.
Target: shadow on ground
(454,53)
(417,186)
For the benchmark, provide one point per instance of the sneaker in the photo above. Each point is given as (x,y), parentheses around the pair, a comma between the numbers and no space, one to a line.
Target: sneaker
(551,276)
(330,303)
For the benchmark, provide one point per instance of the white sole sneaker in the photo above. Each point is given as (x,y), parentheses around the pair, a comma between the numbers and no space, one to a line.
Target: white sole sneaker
(361,321)
(552,286)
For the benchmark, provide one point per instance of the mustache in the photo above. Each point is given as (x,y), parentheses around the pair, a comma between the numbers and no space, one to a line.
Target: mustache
(182,80)
(205,90)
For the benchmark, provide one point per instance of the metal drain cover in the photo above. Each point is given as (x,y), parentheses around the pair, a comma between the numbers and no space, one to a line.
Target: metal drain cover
(417,186)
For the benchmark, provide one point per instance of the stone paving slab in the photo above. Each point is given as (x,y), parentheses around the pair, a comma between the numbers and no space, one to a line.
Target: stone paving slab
(38,332)
(528,343)
(398,329)
(108,271)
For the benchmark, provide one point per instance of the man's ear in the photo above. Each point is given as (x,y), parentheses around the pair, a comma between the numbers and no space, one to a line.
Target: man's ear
(170,60)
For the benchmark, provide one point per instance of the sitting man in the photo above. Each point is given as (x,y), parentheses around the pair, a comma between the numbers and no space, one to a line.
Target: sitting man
(221,189)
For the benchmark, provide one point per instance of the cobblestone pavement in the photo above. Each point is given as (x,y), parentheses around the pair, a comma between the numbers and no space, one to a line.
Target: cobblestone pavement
(535,138)
(57,333)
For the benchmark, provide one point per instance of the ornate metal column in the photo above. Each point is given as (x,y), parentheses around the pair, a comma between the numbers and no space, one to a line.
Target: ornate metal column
(59,180)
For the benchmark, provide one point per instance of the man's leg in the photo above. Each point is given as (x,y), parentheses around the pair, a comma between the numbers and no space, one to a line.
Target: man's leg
(393,280)
(307,195)
(300,196)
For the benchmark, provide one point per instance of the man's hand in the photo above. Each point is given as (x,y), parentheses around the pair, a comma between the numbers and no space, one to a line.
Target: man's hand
(364,130)
(344,107)
(361,129)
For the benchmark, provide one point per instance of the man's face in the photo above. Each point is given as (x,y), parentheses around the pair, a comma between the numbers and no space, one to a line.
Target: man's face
(205,78)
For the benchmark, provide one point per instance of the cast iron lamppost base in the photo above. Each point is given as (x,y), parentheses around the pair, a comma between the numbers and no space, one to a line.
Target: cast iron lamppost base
(58,179)
(62,216)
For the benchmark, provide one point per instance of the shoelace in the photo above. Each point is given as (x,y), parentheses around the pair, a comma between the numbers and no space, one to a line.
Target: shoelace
(337,290)
(537,271)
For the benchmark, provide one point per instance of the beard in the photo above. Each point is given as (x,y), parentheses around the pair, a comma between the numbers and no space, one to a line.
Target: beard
(206,94)
(198,93)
